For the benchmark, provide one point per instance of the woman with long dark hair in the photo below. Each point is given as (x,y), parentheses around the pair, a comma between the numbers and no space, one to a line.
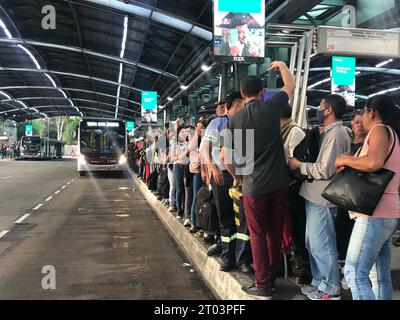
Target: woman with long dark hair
(368,260)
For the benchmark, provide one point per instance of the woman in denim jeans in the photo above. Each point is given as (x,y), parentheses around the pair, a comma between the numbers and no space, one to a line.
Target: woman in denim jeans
(368,260)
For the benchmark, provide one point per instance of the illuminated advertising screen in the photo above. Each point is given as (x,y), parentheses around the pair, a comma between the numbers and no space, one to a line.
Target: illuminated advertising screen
(344,78)
(28,130)
(239,30)
(149,107)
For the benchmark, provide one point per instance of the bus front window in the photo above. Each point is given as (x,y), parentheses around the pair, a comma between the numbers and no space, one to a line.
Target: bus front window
(31,144)
(102,141)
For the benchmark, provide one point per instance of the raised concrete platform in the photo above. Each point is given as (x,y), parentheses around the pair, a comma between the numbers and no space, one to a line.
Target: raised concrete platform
(224,285)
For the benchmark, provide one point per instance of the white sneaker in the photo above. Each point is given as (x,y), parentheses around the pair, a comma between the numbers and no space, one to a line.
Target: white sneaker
(171,209)
(187,223)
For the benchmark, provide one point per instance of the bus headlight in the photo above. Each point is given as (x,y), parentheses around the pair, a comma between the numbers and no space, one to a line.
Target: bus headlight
(122,159)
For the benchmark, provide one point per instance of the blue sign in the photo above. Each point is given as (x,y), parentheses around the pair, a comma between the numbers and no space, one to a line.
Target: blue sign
(28,130)
(149,107)
(149,100)
(130,126)
(240,6)
(344,78)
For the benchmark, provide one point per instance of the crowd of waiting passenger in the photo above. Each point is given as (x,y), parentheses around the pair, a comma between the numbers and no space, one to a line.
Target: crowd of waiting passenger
(249,181)
(9,151)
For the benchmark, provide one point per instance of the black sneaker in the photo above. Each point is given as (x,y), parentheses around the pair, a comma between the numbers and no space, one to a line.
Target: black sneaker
(208,240)
(179,215)
(255,291)
(227,267)
(214,250)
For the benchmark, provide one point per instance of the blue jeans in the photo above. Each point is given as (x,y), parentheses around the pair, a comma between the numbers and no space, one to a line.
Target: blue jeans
(172,189)
(321,244)
(180,186)
(197,183)
(368,260)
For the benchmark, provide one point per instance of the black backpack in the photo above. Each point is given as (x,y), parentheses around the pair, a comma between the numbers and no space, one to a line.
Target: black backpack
(206,213)
(163,184)
(306,151)
(152,181)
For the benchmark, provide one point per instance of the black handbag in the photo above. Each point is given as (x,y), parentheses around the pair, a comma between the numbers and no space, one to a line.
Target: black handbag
(359,191)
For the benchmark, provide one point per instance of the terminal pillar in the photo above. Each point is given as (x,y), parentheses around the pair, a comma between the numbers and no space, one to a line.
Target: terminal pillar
(223,80)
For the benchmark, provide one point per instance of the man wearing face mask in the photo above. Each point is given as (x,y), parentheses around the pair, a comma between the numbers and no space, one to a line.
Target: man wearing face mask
(320,227)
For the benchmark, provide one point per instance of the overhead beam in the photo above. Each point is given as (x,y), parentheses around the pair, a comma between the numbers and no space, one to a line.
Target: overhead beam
(58,112)
(291,10)
(62,98)
(159,16)
(65,88)
(88,52)
(78,30)
(76,75)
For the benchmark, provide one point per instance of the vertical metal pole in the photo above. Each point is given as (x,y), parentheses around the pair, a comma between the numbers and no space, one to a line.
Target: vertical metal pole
(223,80)
(236,76)
(302,108)
(48,127)
(293,55)
(258,69)
(165,117)
(298,78)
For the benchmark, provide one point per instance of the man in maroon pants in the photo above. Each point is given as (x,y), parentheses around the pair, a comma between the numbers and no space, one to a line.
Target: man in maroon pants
(255,131)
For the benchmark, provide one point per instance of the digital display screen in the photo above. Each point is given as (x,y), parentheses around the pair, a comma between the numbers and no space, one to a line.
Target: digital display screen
(344,78)
(149,107)
(239,30)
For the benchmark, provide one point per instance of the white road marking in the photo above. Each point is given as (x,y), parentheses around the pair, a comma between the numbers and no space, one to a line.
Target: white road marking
(57,192)
(3,233)
(22,218)
(49,198)
(38,206)
(69,182)
(4,178)
(63,187)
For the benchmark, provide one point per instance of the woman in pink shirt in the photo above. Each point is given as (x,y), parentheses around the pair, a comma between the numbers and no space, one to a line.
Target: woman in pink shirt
(368,260)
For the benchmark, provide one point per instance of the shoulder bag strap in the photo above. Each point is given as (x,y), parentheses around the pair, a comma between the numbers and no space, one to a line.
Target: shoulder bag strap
(394,143)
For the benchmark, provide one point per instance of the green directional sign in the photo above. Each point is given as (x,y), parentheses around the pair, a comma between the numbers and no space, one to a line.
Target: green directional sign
(28,130)
(130,125)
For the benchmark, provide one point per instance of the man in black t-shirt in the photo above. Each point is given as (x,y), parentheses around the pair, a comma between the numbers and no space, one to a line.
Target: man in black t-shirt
(262,166)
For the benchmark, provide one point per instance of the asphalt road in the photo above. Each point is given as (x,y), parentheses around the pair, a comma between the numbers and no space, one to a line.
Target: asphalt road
(100,235)
(25,184)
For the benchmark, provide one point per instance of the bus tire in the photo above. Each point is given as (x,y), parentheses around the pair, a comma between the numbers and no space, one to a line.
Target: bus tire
(82,173)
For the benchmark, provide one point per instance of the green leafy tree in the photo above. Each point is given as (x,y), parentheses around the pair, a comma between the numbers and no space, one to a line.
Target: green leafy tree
(69,135)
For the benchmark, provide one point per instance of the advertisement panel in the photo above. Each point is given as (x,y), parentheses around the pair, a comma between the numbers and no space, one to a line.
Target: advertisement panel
(28,130)
(344,78)
(149,107)
(239,30)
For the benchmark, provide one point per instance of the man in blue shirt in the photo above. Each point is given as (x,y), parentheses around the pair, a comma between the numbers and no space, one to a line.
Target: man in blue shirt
(221,181)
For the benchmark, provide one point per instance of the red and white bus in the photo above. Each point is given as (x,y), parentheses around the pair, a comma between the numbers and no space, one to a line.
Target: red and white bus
(102,146)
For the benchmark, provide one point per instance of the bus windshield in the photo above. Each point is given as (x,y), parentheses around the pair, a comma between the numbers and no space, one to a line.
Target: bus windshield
(31,143)
(102,141)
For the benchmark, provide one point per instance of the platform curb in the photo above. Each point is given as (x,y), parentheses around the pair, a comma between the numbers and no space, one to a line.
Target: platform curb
(224,285)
